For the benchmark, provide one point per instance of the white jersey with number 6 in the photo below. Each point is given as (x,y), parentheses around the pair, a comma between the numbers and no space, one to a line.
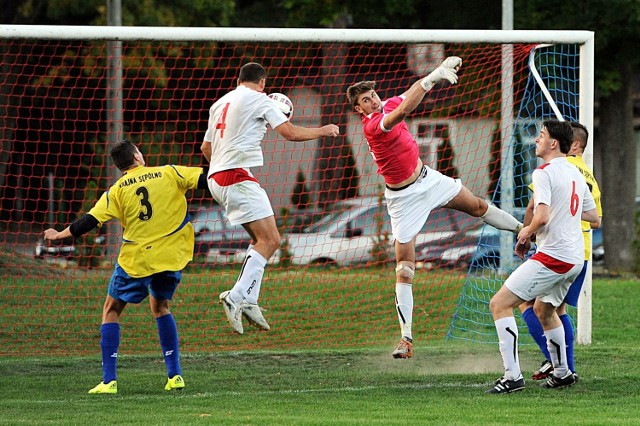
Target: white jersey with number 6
(561,186)
(237,124)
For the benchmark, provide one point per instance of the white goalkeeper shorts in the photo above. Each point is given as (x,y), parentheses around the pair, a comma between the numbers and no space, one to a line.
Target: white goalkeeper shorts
(244,201)
(409,207)
(533,279)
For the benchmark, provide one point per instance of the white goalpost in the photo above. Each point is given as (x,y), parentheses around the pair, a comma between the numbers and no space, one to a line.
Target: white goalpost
(469,129)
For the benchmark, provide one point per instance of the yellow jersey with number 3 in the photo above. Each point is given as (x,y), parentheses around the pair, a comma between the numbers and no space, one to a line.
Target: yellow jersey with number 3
(150,204)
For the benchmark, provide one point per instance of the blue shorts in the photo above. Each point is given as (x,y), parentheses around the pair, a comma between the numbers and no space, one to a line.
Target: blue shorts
(574,290)
(127,289)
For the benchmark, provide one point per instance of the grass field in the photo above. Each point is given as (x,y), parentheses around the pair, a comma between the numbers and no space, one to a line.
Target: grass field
(443,384)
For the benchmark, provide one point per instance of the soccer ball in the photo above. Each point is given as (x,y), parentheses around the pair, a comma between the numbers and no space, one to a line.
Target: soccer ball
(284,103)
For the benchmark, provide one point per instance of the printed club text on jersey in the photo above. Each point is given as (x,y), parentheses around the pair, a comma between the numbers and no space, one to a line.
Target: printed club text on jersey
(141,178)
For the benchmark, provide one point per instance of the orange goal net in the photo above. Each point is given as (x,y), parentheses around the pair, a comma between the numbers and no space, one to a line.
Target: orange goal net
(67,94)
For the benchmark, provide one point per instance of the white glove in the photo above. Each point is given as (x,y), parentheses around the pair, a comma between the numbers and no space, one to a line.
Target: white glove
(446,71)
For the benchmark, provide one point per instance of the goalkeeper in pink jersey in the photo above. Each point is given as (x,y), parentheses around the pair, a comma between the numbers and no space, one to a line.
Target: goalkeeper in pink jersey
(413,189)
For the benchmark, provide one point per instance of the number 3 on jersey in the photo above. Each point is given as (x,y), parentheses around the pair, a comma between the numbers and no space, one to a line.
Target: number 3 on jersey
(146,212)
(221,124)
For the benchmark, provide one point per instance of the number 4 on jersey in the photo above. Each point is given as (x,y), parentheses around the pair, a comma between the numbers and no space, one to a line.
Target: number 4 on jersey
(221,124)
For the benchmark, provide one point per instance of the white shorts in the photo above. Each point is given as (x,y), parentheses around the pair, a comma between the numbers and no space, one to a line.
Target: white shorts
(244,201)
(533,280)
(409,207)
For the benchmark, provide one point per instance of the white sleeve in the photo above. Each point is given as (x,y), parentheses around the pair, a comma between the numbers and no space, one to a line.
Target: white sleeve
(272,113)
(541,187)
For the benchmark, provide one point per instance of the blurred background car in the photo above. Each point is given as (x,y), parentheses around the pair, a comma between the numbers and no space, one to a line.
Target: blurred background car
(62,248)
(215,237)
(477,247)
(356,232)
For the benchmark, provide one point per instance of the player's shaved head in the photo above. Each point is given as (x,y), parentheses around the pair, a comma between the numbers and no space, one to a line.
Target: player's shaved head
(252,72)
(580,134)
(123,154)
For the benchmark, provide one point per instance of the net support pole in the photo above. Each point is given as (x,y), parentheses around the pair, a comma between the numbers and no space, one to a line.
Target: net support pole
(506,133)
(114,114)
(586,100)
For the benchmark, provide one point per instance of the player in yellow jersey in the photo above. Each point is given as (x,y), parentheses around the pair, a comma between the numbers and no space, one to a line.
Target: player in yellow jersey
(157,244)
(579,144)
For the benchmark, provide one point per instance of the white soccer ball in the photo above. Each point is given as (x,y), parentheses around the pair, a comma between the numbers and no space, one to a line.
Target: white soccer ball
(284,103)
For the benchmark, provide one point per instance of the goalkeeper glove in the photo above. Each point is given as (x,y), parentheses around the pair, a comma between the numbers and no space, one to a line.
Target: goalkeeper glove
(446,71)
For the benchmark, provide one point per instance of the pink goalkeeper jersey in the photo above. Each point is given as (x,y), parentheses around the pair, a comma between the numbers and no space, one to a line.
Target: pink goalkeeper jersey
(394,151)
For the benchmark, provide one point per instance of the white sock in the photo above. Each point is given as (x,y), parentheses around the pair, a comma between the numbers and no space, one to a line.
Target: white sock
(508,336)
(558,350)
(250,279)
(404,306)
(500,219)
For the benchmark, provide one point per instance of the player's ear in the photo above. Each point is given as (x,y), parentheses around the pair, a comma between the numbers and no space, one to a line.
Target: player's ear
(358,109)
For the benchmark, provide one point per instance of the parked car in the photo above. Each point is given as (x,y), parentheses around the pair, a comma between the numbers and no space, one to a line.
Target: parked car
(61,248)
(349,235)
(215,237)
(477,247)
(222,242)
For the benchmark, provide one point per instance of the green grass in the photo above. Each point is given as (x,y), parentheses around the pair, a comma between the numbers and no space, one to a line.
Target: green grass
(314,308)
(443,384)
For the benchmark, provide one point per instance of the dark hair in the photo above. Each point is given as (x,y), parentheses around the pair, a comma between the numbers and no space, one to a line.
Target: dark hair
(357,89)
(122,155)
(560,131)
(580,134)
(251,72)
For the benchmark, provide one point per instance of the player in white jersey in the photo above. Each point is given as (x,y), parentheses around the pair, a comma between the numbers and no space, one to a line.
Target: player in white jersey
(232,144)
(561,200)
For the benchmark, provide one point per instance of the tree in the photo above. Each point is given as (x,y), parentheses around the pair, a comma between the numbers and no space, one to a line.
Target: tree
(617,31)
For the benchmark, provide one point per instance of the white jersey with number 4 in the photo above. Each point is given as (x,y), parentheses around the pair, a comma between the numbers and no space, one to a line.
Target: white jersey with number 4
(237,124)
(561,186)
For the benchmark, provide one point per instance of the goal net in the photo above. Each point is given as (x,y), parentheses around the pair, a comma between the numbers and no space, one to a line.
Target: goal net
(68,93)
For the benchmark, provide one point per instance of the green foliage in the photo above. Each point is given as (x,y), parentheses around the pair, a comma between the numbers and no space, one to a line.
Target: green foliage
(173,13)
(300,197)
(380,249)
(89,253)
(285,253)
(616,25)
(636,245)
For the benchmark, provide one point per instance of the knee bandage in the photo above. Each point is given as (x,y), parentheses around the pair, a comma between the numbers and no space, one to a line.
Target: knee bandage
(405,270)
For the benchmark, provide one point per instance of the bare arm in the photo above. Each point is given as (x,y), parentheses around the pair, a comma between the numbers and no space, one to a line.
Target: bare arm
(597,224)
(412,99)
(78,228)
(446,71)
(206,150)
(592,217)
(528,214)
(294,133)
(540,219)
(53,235)
(523,246)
